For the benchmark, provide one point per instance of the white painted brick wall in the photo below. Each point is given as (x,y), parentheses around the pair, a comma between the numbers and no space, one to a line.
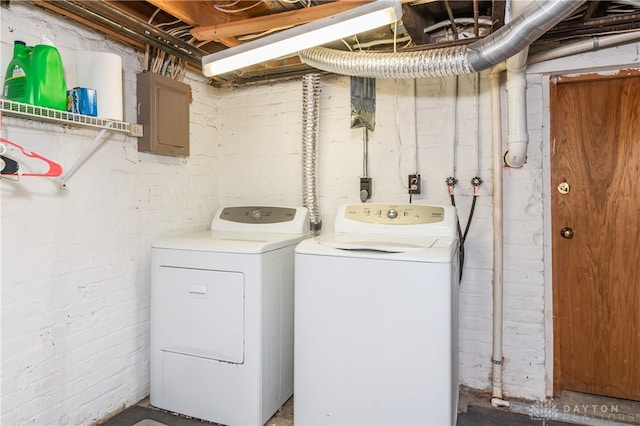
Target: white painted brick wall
(75,262)
(340,167)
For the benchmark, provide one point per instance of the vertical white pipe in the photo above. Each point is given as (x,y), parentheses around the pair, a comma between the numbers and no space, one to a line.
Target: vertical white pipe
(518,138)
(496,130)
(517,142)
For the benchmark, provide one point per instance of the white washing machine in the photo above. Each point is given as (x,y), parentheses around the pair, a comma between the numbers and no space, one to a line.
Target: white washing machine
(222,316)
(376,318)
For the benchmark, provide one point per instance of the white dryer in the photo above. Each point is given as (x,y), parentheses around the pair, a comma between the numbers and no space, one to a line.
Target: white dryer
(376,318)
(222,316)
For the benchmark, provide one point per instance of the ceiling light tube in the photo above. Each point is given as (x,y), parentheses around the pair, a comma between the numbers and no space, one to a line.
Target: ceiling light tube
(360,19)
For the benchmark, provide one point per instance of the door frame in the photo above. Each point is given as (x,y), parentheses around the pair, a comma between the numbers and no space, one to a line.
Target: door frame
(545,77)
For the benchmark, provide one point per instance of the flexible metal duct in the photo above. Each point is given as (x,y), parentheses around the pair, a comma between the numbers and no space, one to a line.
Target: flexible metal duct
(310,113)
(519,33)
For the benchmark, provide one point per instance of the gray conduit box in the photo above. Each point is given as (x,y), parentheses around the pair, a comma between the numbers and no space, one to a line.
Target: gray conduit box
(163,109)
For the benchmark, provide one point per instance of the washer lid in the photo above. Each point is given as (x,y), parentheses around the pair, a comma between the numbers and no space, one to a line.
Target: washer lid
(230,242)
(380,243)
(381,246)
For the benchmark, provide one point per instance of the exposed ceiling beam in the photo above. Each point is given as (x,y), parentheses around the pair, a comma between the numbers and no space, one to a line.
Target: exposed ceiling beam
(115,33)
(106,15)
(278,20)
(194,13)
(197,14)
(596,9)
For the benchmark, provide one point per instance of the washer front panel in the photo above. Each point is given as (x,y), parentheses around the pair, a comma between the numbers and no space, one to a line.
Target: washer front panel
(394,214)
(397,219)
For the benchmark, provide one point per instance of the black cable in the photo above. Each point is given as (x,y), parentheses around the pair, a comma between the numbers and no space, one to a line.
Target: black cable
(461,241)
(466,230)
(463,236)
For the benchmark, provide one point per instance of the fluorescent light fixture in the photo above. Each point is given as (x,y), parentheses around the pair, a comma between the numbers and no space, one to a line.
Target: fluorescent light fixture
(360,19)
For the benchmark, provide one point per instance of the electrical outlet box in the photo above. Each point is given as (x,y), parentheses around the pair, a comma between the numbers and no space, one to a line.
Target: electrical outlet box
(414,184)
(365,189)
(136,130)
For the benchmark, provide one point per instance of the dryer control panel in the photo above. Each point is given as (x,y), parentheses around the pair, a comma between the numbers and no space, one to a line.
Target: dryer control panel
(258,214)
(269,219)
(394,214)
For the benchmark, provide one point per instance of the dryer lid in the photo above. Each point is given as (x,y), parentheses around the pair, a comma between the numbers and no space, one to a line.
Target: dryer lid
(230,242)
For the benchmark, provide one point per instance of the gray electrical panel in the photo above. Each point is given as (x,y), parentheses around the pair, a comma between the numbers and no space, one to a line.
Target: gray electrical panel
(163,109)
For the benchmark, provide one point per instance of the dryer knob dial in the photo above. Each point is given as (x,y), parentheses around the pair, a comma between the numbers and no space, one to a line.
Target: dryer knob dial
(256,214)
(392,214)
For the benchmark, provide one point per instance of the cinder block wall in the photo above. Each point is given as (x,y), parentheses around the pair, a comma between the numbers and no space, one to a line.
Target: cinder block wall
(75,262)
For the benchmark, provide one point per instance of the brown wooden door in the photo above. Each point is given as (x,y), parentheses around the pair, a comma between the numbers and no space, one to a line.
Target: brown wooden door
(595,152)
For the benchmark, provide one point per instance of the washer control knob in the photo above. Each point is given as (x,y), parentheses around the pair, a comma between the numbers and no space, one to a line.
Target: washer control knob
(256,214)
(392,214)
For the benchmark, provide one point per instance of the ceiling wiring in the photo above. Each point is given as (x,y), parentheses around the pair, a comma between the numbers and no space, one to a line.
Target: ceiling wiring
(264,33)
(159,61)
(242,9)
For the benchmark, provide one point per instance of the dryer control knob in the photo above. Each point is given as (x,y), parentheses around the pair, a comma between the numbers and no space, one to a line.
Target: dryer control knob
(392,214)
(256,214)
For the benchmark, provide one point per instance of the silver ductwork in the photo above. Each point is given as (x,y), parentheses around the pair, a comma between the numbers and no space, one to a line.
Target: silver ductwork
(310,114)
(518,34)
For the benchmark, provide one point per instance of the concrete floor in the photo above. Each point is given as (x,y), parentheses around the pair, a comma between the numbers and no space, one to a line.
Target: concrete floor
(474,410)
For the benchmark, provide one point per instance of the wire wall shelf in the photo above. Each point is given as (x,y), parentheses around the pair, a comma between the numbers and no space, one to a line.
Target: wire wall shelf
(38,113)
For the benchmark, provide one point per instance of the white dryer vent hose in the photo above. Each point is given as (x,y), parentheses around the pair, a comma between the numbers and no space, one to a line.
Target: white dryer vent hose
(310,114)
(515,36)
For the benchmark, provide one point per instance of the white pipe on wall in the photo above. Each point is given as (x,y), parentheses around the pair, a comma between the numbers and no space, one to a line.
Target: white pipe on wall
(594,43)
(496,131)
(518,138)
(517,142)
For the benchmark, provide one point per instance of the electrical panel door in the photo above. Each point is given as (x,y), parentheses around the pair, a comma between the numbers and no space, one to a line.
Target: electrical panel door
(163,109)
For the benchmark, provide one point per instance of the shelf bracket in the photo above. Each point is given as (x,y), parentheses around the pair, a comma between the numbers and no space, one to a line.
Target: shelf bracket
(86,154)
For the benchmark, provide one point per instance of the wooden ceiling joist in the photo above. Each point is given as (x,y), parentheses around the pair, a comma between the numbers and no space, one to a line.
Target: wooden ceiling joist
(197,14)
(278,20)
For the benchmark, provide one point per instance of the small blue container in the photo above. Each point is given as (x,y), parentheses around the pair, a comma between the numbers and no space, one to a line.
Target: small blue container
(81,100)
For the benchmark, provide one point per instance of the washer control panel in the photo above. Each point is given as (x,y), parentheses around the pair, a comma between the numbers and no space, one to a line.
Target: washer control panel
(394,214)
(258,214)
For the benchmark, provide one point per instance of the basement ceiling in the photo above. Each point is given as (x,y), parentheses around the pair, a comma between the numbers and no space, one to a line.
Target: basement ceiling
(178,33)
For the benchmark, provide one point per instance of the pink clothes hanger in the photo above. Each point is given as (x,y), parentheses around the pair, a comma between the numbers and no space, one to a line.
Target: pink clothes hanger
(55,169)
